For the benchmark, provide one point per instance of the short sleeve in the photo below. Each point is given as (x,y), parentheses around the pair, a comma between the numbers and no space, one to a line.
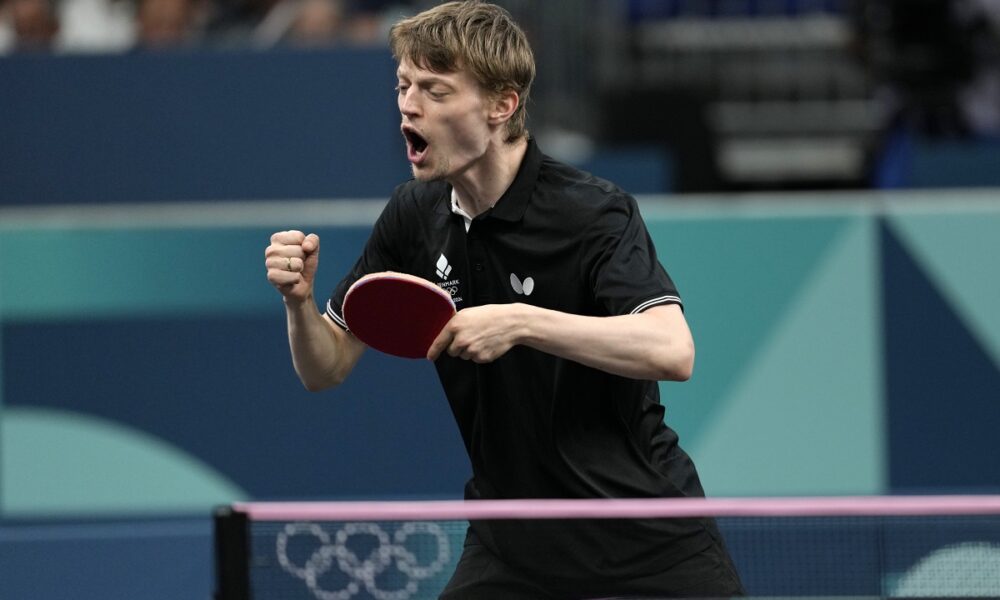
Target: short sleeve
(626,276)
(381,253)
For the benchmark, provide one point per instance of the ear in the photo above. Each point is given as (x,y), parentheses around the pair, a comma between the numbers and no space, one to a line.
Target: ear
(503,107)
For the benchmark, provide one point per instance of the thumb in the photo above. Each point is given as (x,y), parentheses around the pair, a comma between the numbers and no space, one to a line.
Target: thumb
(310,247)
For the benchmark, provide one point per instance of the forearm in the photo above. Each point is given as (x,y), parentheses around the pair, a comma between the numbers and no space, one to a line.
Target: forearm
(322,354)
(655,345)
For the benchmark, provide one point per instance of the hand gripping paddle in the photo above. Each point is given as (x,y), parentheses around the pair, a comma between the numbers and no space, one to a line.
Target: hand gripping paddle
(396,313)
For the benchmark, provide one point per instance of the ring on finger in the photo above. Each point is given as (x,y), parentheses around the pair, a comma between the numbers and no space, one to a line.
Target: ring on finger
(288,267)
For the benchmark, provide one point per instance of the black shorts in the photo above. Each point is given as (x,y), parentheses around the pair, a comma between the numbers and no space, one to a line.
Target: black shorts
(480,575)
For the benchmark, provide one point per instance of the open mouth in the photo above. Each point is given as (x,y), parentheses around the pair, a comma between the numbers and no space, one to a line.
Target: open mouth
(416,145)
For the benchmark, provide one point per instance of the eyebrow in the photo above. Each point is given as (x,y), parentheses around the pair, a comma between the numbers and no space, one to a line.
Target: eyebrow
(426,80)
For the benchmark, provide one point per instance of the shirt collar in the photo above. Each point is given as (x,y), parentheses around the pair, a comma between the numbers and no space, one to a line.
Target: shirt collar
(513,203)
(455,208)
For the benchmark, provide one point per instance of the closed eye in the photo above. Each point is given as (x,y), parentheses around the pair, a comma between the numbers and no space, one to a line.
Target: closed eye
(436,88)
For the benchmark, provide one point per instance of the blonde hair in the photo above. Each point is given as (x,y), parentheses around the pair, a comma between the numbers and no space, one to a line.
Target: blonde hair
(476,36)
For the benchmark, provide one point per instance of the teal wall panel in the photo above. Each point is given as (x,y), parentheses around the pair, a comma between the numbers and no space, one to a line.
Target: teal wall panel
(57,462)
(115,273)
(738,278)
(805,417)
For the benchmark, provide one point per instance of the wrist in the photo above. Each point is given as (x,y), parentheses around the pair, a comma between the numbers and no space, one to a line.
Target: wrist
(526,330)
(296,303)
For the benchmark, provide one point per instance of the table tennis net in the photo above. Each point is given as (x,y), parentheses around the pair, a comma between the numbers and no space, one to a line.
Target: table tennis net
(875,547)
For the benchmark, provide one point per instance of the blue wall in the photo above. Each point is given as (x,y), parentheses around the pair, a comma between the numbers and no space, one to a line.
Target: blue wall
(219,126)
(198,126)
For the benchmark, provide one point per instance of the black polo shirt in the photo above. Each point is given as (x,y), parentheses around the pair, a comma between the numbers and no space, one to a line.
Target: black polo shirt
(535,425)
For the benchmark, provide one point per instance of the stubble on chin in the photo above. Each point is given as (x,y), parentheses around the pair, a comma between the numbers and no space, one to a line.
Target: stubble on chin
(426,175)
(420,175)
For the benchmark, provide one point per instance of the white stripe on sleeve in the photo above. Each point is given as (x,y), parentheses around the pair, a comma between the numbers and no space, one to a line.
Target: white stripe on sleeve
(336,318)
(655,301)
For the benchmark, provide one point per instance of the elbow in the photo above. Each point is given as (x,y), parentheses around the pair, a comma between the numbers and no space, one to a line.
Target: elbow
(320,384)
(685,363)
(322,376)
(313,386)
(678,364)
(683,371)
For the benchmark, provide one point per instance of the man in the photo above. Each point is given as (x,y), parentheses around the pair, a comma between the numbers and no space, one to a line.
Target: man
(566,321)
(35,25)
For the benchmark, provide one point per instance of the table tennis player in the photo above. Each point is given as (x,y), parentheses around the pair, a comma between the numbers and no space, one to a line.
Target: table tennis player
(566,321)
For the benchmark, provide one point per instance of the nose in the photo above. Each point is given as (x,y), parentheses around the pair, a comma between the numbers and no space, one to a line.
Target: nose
(408,104)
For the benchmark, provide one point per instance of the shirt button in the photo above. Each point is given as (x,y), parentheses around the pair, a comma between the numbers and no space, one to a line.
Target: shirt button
(478,266)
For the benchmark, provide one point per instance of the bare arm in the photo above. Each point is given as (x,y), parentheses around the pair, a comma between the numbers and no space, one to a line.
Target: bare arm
(323,354)
(655,344)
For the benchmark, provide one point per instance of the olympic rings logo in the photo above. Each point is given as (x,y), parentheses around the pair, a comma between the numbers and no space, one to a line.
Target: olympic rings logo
(363,572)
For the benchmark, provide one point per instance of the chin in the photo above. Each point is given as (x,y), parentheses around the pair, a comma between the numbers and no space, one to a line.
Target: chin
(422,175)
(426,175)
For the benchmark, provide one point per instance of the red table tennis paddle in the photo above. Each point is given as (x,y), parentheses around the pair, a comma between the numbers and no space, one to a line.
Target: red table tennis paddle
(397,313)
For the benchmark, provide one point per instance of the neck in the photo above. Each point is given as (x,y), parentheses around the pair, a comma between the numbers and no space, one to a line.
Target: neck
(480,186)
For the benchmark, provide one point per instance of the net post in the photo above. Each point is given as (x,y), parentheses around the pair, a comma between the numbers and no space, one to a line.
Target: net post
(232,554)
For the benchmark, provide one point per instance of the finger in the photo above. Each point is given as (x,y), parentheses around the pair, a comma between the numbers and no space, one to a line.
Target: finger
(285,250)
(280,277)
(288,237)
(483,358)
(276,263)
(463,351)
(311,243)
(285,263)
(485,354)
(442,341)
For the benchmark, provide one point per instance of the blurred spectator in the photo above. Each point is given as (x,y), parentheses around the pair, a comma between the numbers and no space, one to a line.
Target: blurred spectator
(318,23)
(937,67)
(370,19)
(118,25)
(367,22)
(980,99)
(168,23)
(32,25)
(97,25)
(266,23)
(238,22)
(933,59)
(6,29)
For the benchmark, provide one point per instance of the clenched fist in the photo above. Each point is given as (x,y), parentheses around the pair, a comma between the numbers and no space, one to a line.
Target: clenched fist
(291,262)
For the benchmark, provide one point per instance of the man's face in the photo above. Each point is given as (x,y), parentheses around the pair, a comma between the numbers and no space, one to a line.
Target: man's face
(444,121)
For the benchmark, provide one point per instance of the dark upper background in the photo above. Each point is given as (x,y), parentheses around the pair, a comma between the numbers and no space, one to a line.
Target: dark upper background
(248,99)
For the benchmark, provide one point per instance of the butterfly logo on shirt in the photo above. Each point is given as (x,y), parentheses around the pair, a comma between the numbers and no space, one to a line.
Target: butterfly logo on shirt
(520,287)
